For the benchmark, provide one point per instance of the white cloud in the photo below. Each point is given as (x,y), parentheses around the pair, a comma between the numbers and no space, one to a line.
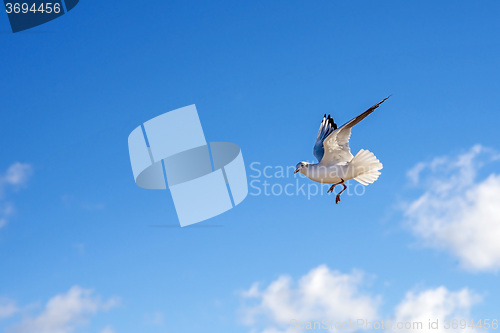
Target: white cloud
(155,319)
(108,329)
(323,294)
(15,177)
(414,173)
(457,212)
(319,294)
(435,304)
(17,174)
(6,210)
(65,312)
(8,308)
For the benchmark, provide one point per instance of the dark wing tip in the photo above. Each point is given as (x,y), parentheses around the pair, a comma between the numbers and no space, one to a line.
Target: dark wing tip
(378,104)
(332,123)
(385,99)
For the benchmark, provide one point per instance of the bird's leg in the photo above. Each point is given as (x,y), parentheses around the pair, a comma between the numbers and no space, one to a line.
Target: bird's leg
(333,186)
(337,199)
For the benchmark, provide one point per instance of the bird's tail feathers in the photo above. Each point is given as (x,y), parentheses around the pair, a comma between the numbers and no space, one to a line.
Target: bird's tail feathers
(368,166)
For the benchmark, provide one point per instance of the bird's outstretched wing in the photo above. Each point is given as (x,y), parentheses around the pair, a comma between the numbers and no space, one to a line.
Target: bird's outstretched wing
(336,145)
(325,129)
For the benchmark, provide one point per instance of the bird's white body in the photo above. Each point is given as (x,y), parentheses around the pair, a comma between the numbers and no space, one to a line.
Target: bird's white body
(328,174)
(363,168)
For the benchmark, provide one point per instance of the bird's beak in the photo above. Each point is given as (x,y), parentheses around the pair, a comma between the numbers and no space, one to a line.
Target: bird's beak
(297,170)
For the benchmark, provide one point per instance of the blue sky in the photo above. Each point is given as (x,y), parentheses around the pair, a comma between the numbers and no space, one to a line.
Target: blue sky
(261,74)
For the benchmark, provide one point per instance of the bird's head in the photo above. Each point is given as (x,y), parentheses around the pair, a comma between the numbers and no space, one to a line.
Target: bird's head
(301,167)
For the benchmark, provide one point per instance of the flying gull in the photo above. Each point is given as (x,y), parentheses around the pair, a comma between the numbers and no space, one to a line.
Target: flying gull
(335,161)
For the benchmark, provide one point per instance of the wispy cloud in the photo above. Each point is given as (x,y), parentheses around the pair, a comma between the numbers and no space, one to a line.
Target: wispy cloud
(15,177)
(324,294)
(436,304)
(108,329)
(321,293)
(155,319)
(8,308)
(457,211)
(64,313)
(6,210)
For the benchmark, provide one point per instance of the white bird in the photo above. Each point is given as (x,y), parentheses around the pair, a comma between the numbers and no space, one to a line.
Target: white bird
(335,161)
